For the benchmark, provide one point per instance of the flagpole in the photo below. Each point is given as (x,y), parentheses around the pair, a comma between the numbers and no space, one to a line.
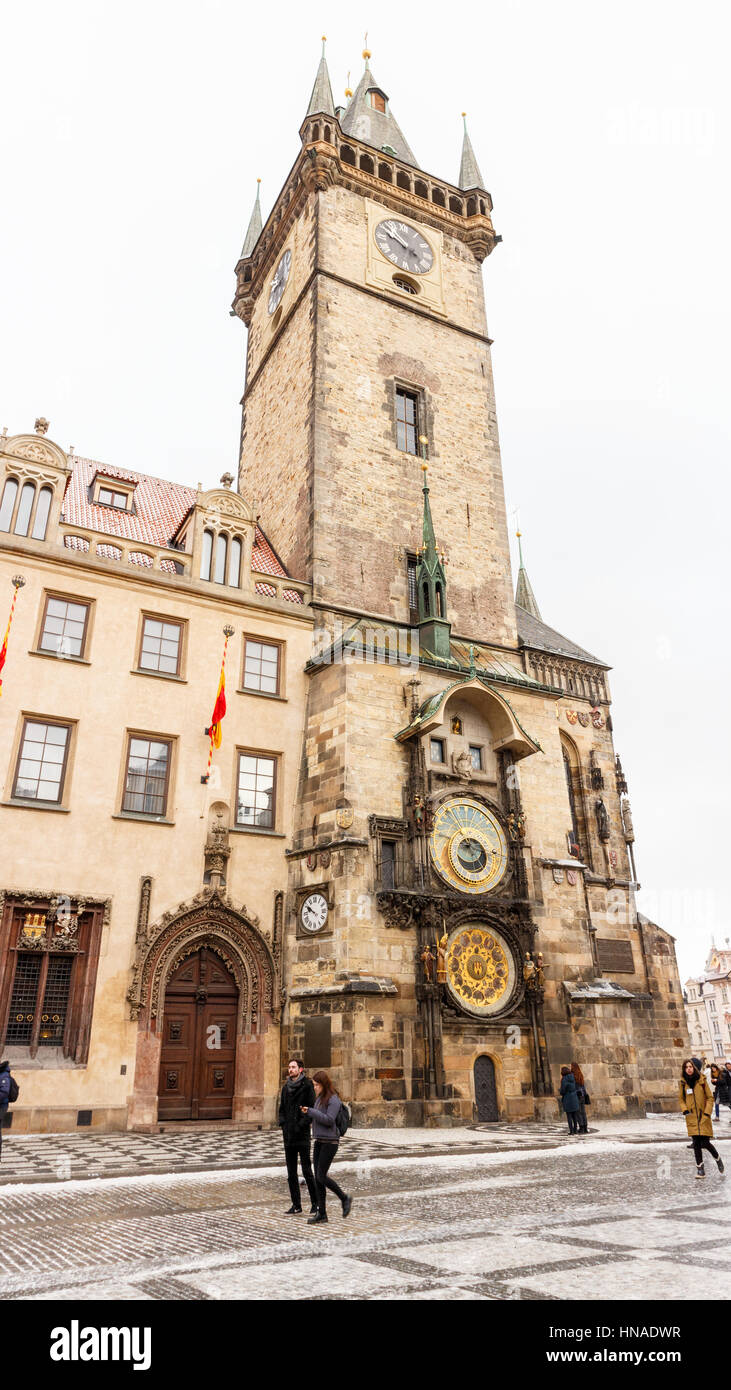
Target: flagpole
(211,731)
(17,582)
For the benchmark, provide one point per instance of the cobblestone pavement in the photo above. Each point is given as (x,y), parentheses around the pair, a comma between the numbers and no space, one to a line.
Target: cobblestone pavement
(48,1157)
(590,1220)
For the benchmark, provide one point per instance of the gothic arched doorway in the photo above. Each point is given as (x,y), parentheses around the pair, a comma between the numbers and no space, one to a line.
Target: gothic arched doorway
(486,1090)
(198,1053)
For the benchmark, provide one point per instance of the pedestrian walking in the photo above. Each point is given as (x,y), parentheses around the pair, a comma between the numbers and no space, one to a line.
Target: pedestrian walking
(713,1082)
(581,1095)
(570,1100)
(324,1116)
(9,1092)
(696,1103)
(297,1092)
(722,1088)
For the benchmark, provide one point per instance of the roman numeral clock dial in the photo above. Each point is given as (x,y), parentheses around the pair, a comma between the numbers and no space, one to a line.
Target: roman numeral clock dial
(279,280)
(404,246)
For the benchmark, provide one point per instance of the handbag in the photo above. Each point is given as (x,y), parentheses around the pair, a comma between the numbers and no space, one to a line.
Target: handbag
(587,1097)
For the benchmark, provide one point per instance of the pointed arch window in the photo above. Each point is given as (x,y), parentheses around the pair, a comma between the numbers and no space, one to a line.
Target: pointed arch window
(425,597)
(221,553)
(41,517)
(206,553)
(22,521)
(7,507)
(572,771)
(234,567)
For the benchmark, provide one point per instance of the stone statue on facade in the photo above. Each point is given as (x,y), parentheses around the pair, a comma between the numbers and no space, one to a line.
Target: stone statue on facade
(602,818)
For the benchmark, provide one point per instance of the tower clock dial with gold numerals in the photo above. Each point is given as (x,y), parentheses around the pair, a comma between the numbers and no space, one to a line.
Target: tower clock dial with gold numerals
(468,846)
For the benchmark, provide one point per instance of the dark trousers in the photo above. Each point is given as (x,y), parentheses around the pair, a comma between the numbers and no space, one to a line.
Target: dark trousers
(700,1142)
(573,1118)
(583,1124)
(323,1155)
(302,1151)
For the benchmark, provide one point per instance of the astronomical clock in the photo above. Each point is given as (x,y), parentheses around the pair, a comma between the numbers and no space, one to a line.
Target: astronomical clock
(469,851)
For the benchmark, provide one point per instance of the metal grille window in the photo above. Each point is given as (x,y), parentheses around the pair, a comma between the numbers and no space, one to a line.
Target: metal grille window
(160,650)
(64,627)
(261,667)
(407,420)
(23,999)
(255,803)
(42,761)
(55,1001)
(148,763)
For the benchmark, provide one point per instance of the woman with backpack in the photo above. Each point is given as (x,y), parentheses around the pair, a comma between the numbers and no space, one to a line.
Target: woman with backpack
(326,1134)
(9,1091)
(696,1103)
(582,1096)
(569,1099)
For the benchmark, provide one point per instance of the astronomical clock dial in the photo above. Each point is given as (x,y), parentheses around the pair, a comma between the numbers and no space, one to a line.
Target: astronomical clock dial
(404,246)
(279,280)
(468,846)
(314,912)
(480,969)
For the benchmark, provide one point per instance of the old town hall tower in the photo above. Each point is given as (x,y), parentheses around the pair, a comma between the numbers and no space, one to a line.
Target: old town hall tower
(460,915)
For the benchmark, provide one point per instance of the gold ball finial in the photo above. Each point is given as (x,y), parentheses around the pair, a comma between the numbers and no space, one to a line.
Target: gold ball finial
(425,467)
(464,114)
(366,49)
(423,439)
(324,38)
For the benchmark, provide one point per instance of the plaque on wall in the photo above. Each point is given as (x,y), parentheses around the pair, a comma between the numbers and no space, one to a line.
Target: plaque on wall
(317,1043)
(615,956)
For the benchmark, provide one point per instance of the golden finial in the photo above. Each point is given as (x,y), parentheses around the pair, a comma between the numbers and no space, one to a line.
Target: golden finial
(425,467)
(366,50)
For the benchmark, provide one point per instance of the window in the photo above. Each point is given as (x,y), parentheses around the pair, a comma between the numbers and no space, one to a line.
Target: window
(109,497)
(22,520)
(47,992)
(146,781)
(712,1005)
(476,756)
(7,506)
(220,563)
(63,630)
(206,552)
(41,518)
(234,564)
(378,102)
(411,563)
(437,750)
(407,421)
(256,791)
(388,864)
(160,646)
(407,285)
(261,666)
(42,761)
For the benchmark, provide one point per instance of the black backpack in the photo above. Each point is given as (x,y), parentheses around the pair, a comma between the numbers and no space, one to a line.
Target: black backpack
(342,1119)
(14,1089)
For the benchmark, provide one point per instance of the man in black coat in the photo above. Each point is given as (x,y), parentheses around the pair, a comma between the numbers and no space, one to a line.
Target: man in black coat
(297,1091)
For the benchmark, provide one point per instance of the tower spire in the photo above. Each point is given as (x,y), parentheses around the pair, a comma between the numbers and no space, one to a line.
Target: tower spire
(253,230)
(524,596)
(469,169)
(321,101)
(369,118)
(431,581)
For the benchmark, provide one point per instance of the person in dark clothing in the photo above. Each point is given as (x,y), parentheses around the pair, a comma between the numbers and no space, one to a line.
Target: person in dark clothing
(8,1092)
(570,1100)
(578,1075)
(721,1086)
(326,1135)
(297,1094)
(696,1102)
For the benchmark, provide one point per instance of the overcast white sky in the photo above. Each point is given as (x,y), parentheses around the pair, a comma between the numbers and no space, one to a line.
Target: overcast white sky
(130,141)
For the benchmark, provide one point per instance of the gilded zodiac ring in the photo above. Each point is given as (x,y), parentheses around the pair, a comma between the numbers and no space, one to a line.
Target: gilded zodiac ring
(480,970)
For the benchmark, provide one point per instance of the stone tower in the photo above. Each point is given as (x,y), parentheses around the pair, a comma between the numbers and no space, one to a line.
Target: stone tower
(460,891)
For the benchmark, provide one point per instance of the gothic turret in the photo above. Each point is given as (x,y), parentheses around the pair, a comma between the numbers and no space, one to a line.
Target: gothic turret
(469,169)
(253,230)
(369,118)
(321,101)
(524,596)
(431,583)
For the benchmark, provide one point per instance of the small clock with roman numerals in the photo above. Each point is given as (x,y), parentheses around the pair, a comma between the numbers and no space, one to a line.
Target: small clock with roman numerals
(314,912)
(404,246)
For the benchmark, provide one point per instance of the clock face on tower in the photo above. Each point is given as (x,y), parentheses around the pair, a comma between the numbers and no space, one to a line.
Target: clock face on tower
(468,846)
(281,275)
(314,912)
(404,246)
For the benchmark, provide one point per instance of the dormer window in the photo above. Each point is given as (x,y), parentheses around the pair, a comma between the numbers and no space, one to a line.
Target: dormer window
(378,100)
(107,492)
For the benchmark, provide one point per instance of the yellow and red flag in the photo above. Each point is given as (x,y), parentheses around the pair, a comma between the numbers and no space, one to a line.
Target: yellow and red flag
(18,583)
(219,709)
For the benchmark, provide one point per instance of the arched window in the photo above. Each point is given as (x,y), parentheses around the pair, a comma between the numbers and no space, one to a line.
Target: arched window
(347,154)
(440,605)
(421,189)
(22,520)
(366,164)
(10,492)
(385,172)
(427,605)
(41,518)
(221,549)
(471,207)
(455,205)
(206,553)
(234,567)
(403,181)
(572,770)
(437,197)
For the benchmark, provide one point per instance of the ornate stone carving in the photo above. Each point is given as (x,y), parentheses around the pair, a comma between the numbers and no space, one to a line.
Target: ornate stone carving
(40,453)
(462,766)
(217,850)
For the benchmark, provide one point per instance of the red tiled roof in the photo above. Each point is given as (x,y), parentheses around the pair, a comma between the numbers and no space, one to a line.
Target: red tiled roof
(160,508)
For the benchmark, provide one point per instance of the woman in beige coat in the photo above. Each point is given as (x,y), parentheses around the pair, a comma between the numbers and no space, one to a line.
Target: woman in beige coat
(696,1103)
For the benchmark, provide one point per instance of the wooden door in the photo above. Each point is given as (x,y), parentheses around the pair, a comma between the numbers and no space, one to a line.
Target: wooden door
(486,1090)
(198,1056)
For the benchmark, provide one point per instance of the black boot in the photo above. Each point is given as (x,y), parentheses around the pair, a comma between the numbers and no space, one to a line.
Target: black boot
(721,1168)
(293,1211)
(315,1220)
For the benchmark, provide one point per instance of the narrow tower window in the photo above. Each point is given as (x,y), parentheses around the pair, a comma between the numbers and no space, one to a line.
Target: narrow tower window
(407,420)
